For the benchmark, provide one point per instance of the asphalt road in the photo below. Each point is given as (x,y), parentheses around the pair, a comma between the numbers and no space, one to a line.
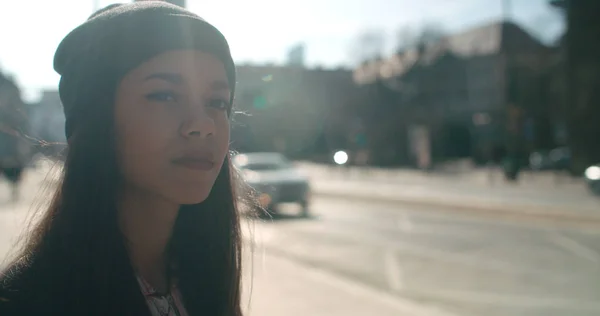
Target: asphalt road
(467,265)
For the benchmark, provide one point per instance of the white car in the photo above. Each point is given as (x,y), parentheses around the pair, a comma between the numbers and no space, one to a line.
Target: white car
(275,179)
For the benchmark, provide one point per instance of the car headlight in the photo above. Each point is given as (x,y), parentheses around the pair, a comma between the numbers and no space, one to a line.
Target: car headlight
(593,173)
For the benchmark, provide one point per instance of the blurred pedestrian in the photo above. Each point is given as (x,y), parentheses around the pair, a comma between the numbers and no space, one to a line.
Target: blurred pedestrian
(11,162)
(13,127)
(144,220)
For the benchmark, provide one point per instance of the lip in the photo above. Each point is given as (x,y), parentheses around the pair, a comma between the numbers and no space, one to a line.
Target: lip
(196,162)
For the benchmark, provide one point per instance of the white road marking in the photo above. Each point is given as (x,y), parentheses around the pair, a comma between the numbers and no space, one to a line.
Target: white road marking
(576,248)
(393,271)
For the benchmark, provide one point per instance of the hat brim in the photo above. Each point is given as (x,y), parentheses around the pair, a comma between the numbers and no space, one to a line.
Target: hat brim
(122,45)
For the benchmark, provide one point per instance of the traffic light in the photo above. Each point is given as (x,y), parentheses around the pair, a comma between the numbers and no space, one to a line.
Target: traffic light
(259,102)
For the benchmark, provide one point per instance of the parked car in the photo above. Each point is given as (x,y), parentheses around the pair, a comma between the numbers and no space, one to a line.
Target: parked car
(555,159)
(275,179)
(592,177)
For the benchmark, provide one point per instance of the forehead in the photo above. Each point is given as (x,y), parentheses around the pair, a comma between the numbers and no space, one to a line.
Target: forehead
(190,64)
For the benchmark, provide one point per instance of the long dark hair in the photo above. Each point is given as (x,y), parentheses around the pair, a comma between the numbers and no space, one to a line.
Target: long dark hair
(77,252)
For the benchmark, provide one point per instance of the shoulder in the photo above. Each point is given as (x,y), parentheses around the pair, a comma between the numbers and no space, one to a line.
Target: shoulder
(42,286)
(20,291)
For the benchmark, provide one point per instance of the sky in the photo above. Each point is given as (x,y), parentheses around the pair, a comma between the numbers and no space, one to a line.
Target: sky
(261,31)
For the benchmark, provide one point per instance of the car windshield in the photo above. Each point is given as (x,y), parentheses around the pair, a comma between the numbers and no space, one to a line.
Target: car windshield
(265,166)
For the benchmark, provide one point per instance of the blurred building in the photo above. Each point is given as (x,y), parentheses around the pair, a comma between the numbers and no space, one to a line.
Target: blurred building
(466,95)
(11,103)
(296,55)
(298,111)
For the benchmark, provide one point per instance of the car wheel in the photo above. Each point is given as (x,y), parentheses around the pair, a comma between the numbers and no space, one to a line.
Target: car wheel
(595,187)
(304,211)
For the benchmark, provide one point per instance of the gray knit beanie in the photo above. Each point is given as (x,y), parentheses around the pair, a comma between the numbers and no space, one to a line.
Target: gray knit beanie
(94,57)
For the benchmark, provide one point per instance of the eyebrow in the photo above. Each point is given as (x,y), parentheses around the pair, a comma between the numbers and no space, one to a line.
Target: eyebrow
(173,78)
(220,85)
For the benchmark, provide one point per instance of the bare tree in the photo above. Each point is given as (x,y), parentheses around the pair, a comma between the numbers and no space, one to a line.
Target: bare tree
(367,45)
(408,37)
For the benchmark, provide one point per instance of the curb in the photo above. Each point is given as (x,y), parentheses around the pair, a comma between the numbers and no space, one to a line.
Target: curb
(490,209)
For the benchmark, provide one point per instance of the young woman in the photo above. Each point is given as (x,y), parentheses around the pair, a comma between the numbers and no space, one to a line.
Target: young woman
(144,220)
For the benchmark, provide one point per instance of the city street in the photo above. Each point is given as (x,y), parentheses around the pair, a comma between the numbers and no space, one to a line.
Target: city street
(470,266)
(382,258)
(442,155)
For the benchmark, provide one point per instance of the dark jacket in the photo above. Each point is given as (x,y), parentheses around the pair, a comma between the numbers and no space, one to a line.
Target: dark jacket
(40,289)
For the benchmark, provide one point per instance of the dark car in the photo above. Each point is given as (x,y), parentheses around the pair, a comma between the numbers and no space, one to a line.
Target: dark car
(555,159)
(275,179)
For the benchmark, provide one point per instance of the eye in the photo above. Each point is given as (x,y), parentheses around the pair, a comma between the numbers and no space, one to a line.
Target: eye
(162,96)
(219,104)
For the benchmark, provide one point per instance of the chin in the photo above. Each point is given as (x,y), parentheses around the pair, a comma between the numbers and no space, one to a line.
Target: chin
(187,193)
(189,188)
(189,198)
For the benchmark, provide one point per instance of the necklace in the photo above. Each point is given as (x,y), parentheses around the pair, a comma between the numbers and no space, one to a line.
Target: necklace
(164,304)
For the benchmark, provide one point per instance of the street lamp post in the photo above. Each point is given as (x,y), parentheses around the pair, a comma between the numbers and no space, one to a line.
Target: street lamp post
(506,9)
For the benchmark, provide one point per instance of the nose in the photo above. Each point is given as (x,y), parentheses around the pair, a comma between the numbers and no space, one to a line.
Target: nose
(198,123)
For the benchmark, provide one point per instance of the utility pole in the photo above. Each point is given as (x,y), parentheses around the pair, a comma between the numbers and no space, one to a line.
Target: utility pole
(513,111)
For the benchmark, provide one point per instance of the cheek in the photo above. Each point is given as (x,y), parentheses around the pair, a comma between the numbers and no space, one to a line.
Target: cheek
(143,138)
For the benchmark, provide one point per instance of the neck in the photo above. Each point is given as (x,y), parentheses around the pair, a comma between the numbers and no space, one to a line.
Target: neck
(147,222)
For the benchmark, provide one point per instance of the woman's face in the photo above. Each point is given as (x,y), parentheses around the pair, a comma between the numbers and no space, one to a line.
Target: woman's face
(172,125)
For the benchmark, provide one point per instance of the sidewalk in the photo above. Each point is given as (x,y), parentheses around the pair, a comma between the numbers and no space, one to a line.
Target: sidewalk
(465,175)
(283,287)
(537,197)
